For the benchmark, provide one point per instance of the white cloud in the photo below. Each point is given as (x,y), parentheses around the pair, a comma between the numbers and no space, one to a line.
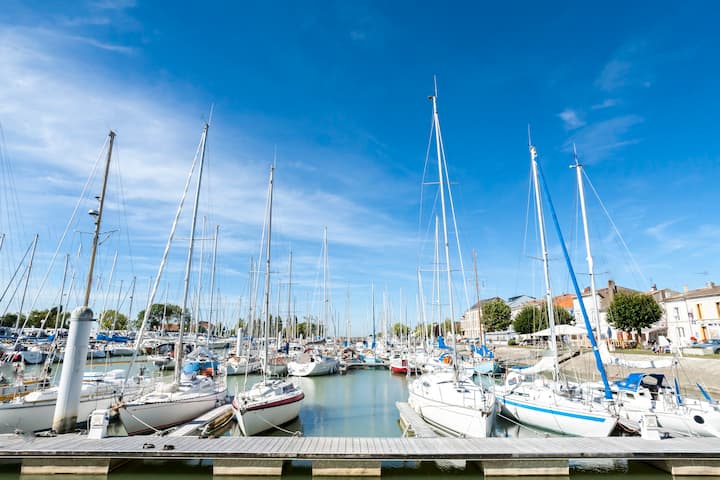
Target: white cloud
(571,119)
(598,140)
(57,107)
(607,103)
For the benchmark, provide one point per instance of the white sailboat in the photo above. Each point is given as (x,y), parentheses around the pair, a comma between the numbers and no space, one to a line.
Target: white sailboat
(188,396)
(553,404)
(449,401)
(269,403)
(642,395)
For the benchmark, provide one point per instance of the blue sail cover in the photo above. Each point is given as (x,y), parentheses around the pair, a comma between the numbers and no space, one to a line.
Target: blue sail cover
(483,351)
(441,343)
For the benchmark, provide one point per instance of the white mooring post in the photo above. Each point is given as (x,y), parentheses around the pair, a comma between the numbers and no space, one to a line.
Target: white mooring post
(68,401)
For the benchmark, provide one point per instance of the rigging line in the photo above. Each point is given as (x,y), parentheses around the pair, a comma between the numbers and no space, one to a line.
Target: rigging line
(457,233)
(70,221)
(422,180)
(161,268)
(123,202)
(10,194)
(17,269)
(617,231)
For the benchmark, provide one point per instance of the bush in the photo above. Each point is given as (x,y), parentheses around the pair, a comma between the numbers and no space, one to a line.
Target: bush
(512,342)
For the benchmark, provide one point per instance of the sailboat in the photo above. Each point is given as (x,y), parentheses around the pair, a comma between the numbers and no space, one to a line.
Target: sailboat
(554,404)
(641,395)
(34,411)
(314,362)
(270,402)
(446,399)
(188,396)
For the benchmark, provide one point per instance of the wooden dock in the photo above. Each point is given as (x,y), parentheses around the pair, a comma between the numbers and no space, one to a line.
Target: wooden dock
(357,456)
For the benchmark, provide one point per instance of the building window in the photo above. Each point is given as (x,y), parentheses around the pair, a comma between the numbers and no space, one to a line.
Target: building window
(699,310)
(677,314)
(717,309)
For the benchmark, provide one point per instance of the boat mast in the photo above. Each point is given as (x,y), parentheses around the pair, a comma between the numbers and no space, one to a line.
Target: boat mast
(212,282)
(98,219)
(441,177)
(372,290)
(267,271)
(179,349)
(545,257)
(477,296)
(581,189)
(288,323)
(325,279)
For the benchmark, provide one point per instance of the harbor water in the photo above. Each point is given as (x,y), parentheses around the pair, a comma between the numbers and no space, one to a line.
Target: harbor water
(360,403)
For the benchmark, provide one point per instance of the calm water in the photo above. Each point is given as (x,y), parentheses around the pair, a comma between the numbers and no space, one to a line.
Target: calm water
(359,404)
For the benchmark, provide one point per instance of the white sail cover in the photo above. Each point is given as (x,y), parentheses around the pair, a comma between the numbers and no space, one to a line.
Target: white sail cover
(546,364)
(608,359)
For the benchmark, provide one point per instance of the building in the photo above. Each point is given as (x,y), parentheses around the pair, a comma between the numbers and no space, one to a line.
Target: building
(693,314)
(470,321)
(517,303)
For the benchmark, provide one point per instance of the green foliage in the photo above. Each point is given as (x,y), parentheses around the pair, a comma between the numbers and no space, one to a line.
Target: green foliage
(633,310)
(496,315)
(108,318)
(400,329)
(158,311)
(512,342)
(10,319)
(533,318)
(302,329)
(35,319)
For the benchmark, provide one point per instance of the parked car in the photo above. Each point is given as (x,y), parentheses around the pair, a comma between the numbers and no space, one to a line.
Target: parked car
(714,344)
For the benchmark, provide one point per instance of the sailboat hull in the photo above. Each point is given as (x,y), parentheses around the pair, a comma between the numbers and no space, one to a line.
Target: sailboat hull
(545,409)
(158,410)
(265,414)
(457,408)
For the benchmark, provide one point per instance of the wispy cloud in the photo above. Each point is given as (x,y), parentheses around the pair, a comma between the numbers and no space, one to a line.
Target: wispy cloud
(607,103)
(598,140)
(627,67)
(571,119)
(56,114)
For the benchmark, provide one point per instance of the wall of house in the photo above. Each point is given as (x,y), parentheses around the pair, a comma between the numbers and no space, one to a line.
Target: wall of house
(692,317)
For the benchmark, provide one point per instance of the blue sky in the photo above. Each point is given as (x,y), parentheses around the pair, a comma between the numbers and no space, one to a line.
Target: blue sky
(340,90)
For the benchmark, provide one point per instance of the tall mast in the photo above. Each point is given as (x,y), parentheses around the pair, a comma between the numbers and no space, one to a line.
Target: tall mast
(212,280)
(477,296)
(441,178)
(372,290)
(581,189)
(196,311)
(267,269)
(545,257)
(325,279)
(288,323)
(179,349)
(96,235)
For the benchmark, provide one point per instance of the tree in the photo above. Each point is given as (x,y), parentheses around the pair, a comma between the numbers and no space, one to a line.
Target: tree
(533,318)
(400,330)
(633,311)
(528,320)
(158,311)
(496,315)
(110,319)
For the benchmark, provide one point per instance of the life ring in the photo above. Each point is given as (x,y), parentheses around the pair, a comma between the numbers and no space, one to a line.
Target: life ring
(446,359)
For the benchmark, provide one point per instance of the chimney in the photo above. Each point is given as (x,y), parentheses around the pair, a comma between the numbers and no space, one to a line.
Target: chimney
(612,290)
(710,284)
(685,289)
(653,288)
